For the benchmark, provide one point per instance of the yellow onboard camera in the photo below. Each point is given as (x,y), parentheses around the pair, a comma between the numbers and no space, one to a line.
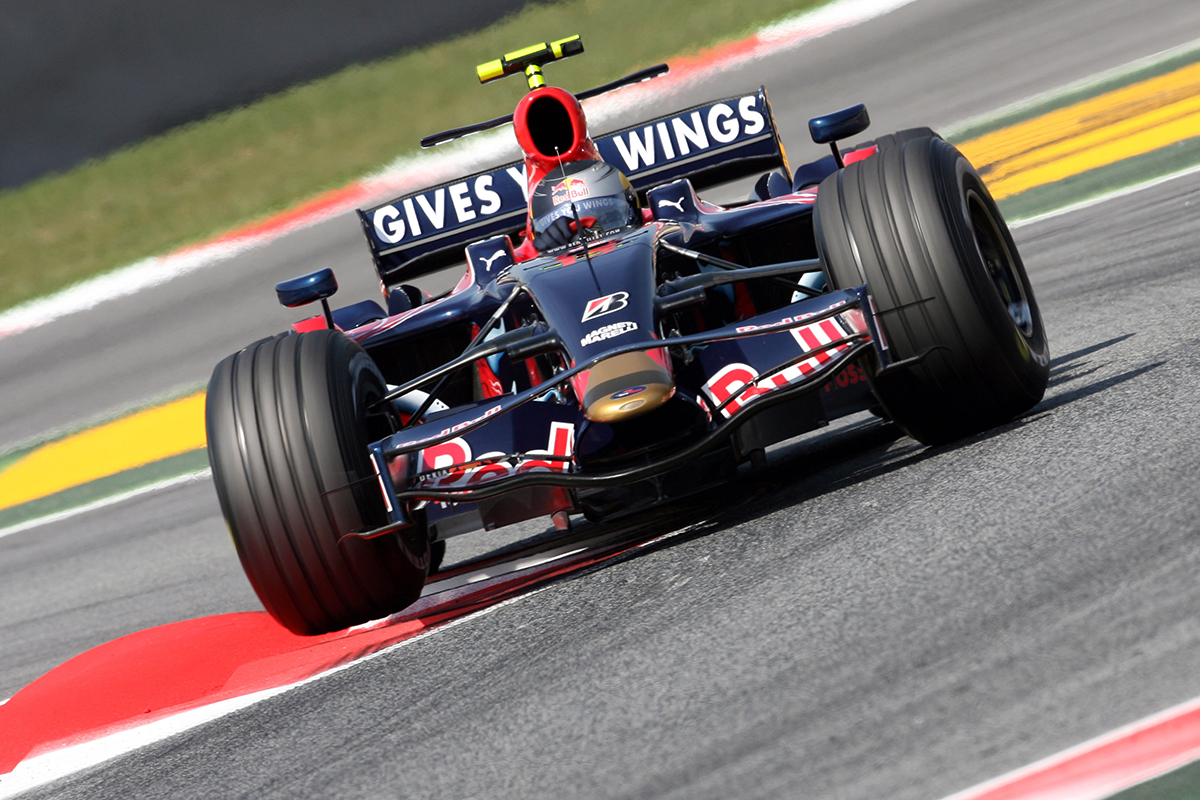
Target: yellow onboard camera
(530,60)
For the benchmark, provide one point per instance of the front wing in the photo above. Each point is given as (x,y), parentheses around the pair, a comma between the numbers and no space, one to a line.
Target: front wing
(513,442)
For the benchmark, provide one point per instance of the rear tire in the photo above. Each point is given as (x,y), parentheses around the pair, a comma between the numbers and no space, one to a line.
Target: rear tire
(288,428)
(917,225)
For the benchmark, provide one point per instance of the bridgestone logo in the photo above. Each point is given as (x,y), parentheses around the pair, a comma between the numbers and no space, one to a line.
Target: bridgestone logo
(608,332)
(605,305)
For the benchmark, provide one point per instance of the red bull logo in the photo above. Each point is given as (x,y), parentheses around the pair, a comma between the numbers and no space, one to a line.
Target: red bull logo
(569,189)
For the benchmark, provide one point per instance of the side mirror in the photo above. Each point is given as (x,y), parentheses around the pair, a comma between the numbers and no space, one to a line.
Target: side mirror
(307,289)
(843,124)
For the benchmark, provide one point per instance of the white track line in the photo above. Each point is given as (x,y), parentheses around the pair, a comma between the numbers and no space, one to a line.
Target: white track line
(168,483)
(1115,194)
(144,274)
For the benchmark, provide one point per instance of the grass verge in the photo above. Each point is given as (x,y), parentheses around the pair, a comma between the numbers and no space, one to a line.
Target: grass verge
(204,178)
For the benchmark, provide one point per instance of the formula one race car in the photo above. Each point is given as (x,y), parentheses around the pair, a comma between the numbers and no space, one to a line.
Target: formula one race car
(616,341)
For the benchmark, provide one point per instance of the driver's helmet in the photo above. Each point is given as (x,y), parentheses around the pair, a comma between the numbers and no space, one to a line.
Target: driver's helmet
(597,190)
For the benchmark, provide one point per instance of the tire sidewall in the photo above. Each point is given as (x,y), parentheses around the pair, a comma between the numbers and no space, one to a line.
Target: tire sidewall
(1029,359)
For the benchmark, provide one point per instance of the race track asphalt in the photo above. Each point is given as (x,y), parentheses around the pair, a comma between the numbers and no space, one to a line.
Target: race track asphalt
(870,619)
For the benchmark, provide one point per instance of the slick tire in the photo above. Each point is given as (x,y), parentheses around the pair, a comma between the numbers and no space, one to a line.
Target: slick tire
(288,429)
(917,225)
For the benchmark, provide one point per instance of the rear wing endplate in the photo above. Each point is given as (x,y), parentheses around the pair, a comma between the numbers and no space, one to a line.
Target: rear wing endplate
(709,144)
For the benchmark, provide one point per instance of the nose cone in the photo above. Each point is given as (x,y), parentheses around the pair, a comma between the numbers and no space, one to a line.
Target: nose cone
(625,386)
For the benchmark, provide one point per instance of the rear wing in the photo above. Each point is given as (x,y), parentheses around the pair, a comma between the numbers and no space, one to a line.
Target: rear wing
(709,144)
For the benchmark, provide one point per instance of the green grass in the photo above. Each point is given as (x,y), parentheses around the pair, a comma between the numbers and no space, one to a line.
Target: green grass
(200,179)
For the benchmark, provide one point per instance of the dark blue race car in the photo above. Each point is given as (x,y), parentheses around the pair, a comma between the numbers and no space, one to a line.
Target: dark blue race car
(615,342)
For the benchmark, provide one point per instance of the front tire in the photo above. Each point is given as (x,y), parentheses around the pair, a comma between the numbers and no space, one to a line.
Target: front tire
(917,225)
(288,428)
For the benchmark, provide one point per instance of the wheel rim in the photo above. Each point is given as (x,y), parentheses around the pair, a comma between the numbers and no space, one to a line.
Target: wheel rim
(999,264)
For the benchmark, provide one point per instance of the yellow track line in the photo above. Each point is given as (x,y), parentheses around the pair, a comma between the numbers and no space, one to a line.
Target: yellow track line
(141,438)
(1103,130)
